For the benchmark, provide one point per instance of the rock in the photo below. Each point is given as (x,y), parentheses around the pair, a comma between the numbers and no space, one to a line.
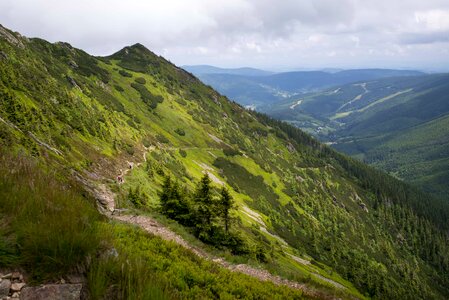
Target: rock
(16,287)
(72,81)
(3,55)
(15,295)
(7,276)
(11,38)
(290,147)
(16,275)
(52,292)
(74,278)
(73,64)
(299,179)
(363,206)
(5,285)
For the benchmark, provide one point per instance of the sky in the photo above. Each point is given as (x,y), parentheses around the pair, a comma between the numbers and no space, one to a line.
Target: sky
(269,34)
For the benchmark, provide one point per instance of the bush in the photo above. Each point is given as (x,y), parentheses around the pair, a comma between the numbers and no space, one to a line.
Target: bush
(119,88)
(183,153)
(129,149)
(228,151)
(140,80)
(162,139)
(180,131)
(125,74)
(147,97)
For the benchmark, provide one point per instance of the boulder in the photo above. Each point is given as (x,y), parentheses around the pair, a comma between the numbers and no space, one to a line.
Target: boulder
(52,292)
(5,285)
(16,287)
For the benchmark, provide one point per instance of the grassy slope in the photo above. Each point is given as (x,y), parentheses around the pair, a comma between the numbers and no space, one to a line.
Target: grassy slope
(87,109)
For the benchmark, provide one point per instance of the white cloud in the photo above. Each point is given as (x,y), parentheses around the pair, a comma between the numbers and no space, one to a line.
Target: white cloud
(264,33)
(434,20)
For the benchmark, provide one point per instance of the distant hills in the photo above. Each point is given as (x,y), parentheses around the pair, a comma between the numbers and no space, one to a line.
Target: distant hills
(254,88)
(398,124)
(206,69)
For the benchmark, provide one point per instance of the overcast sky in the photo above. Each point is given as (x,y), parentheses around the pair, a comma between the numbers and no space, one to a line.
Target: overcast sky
(271,34)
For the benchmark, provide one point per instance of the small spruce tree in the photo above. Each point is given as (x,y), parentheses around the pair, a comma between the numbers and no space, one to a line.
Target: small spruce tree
(204,204)
(225,206)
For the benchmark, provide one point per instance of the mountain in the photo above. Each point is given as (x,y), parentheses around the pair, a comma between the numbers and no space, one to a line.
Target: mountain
(251,207)
(397,124)
(314,80)
(244,71)
(258,91)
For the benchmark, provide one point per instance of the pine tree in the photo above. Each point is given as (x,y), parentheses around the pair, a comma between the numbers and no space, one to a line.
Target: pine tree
(204,203)
(226,204)
(173,203)
(165,195)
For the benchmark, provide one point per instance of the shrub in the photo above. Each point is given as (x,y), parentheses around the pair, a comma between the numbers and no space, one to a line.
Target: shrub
(140,80)
(125,74)
(161,138)
(228,151)
(180,131)
(119,88)
(183,153)
(129,149)
(147,97)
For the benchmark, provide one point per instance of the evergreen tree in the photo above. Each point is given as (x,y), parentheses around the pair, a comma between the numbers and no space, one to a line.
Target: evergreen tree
(164,196)
(226,204)
(204,204)
(173,203)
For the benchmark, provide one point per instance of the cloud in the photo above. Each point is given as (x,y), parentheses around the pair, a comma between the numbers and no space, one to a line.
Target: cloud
(264,33)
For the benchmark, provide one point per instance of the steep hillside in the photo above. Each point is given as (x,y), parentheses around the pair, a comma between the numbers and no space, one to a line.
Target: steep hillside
(302,211)
(397,124)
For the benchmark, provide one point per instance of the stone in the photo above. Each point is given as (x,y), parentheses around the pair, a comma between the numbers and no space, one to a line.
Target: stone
(7,276)
(15,295)
(16,287)
(73,64)
(15,275)
(5,285)
(52,292)
(3,55)
(73,278)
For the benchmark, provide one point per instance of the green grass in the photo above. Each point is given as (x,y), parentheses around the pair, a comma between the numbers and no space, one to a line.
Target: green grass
(50,229)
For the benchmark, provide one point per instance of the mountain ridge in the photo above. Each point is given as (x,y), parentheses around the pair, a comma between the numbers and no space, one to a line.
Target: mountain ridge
(102,114)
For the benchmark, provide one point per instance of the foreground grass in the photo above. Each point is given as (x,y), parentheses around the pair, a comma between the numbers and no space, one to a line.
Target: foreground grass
(164,270)
(47,228)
